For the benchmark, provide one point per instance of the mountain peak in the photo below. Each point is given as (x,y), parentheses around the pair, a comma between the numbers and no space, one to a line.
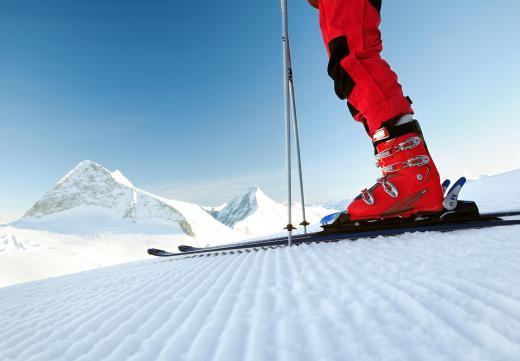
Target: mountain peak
(91,171)
(258,193)
(88,183)
(87,164)
(243,206)
(253,189)
(90,190)
(85,169)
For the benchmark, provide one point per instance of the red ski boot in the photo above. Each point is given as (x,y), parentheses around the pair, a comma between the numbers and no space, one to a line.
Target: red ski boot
(410,182)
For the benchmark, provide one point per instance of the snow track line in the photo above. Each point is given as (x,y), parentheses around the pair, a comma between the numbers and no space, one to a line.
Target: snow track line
(388,265)
(447,296)
(420,313)
(178,343)
(346,306)
(483,334)
(188,298)
(341,305)
(167,301)
(476,308)
(319,323)
(260,341)
(220,317)
(237,326)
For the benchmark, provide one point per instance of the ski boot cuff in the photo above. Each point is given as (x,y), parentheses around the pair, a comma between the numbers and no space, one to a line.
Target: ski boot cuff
(391,130)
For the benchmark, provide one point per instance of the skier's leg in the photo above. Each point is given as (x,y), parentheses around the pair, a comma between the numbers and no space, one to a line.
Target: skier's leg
(410,182)
(351,33)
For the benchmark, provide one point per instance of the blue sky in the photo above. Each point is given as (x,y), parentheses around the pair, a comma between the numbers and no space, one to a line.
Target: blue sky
(186,98)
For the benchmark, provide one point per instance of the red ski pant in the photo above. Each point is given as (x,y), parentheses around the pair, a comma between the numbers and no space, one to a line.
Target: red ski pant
(351,33)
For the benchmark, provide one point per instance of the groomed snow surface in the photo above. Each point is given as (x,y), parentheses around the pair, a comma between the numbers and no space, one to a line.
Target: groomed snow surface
(452,296)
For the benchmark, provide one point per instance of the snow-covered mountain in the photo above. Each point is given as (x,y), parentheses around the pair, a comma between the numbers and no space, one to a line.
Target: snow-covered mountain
(255,214)
(93,217)
(92,200)
(243,207)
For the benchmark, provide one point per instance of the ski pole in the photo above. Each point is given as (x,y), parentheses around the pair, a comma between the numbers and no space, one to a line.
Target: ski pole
(304,222)
(285,42)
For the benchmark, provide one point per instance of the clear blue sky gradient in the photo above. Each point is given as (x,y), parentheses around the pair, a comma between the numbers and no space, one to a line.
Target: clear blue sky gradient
(185,98)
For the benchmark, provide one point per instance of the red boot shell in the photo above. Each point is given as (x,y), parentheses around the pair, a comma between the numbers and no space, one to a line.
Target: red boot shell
(410,182)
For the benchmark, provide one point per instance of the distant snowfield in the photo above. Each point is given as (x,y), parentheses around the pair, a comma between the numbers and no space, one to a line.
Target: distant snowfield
(9,217)
(27,255)
(452,296)
(495,193)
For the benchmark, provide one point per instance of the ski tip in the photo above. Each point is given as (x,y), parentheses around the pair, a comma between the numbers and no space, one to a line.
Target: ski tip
(154,251)
(160,253)
(185,248)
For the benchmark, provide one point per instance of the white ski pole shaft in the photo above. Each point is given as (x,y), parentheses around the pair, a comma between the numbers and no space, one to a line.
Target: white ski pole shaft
(296,133)
(298,153)
(287,117)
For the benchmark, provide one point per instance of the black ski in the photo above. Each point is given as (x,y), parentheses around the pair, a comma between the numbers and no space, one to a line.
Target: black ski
(464,217)
(185,248)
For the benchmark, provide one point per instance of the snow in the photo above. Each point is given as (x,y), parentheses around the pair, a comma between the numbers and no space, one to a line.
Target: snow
(9,217)
(340,205)
(92,192)
(27,254)
(87,237)
(208,229)
(255,214)
(93,218)
(495,193)
(452,296)
(429,296)
(119,177)
(214,209)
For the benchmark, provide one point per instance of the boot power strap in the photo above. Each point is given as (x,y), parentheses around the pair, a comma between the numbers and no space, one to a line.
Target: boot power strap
(408,144)
(418,161)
